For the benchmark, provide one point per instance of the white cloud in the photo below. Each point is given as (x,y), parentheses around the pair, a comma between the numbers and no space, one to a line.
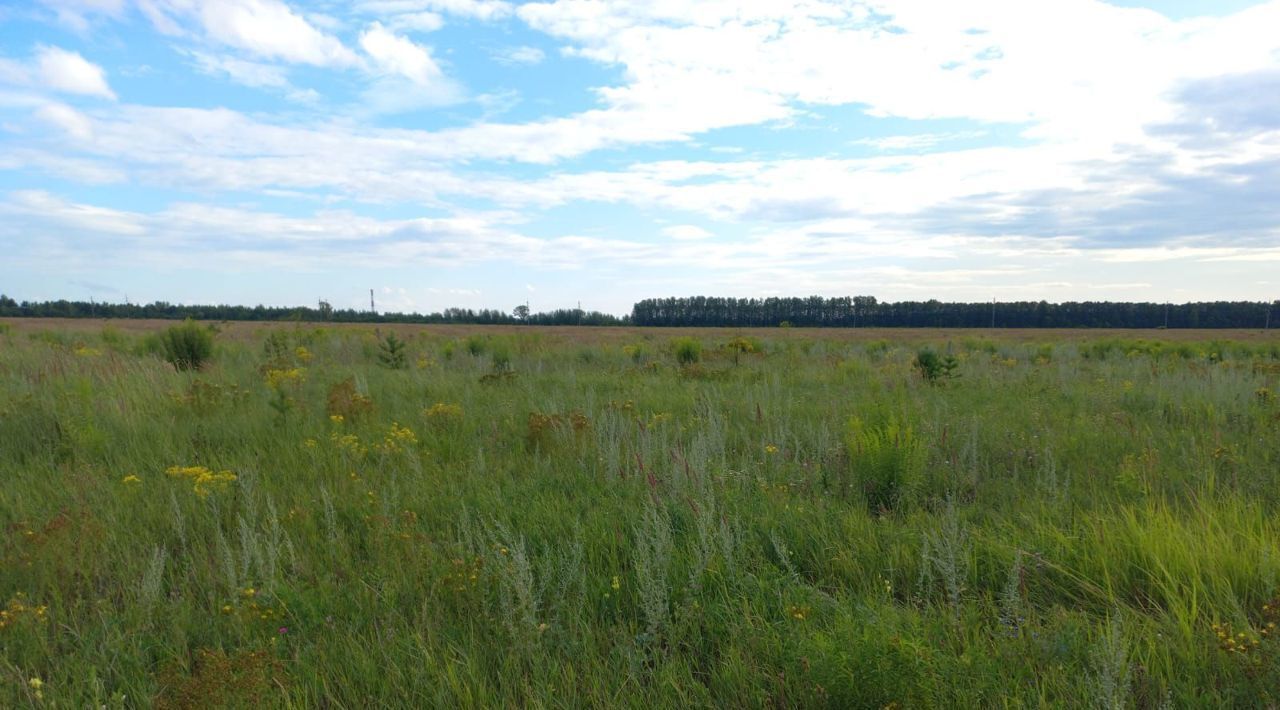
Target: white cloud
(686,232)
(398,55)
(269,29)
(917,141)
(67,119)
(69,72)
(76,14)
(484,10)
(417,22)
(519,55)
(241,71)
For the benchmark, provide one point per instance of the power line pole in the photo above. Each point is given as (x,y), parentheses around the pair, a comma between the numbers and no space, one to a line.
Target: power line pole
(372,309)
(993,312)
(1166,315)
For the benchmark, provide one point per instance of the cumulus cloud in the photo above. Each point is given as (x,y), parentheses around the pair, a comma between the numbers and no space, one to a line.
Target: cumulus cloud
(268,29)
(66,71)
(398,55)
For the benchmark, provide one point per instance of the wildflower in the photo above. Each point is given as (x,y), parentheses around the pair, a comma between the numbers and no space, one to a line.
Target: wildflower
(348,442)
(542,627)
(249,592)
(204,479)
(282,630)
(770,449)
(309,443)
(131,478)
(336,418)
(279,378)
(441,412)
(616,583)
(302,354)
(35,683)
(398,438)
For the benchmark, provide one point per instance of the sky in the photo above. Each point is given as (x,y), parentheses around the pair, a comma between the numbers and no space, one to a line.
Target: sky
(485,153)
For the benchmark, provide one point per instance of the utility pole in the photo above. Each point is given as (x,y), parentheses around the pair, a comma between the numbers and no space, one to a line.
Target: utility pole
(993,312)
(1166,315)
(372,309)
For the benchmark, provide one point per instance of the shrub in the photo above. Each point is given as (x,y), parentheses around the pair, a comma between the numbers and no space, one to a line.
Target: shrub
(5,328)
(687,350)
(113,338)
(188,346)
(391,353)
(934,367)
(635,351)
(740,346)
(887,460)
(474,345)
(277,349)
(500,356)
(346,401)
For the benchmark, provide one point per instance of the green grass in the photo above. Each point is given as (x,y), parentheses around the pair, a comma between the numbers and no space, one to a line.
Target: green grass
(519,519)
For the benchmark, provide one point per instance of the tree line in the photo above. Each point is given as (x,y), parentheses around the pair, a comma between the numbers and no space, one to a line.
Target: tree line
(867,312)
(320,313)
(706,311)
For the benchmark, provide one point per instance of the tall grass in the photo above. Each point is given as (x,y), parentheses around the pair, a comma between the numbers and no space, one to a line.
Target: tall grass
(1067,524)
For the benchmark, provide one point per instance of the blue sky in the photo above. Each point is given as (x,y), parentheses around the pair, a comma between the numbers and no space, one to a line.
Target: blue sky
(483,153)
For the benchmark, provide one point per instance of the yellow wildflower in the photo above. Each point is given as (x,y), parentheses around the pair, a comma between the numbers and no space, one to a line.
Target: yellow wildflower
(770,449)
(442,412)
(278,378)
(204,479)
(131,478)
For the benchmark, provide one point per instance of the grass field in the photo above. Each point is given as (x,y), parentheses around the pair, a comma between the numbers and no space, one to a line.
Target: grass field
(639,518)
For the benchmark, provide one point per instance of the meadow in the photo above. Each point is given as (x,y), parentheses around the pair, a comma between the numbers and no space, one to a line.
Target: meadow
(516,517)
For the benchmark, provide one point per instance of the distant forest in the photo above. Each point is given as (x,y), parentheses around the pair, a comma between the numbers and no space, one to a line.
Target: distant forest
(813,311)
